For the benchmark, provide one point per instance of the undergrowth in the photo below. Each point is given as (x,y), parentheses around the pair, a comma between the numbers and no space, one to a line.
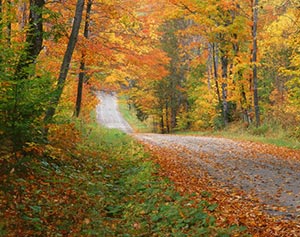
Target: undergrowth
(270,132)
(267,133)
(106,185)
(130,116)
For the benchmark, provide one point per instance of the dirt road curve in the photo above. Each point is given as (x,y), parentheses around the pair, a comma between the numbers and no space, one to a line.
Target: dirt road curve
(275,180)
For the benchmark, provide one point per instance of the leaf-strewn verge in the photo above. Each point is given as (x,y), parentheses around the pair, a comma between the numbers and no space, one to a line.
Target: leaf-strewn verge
(234,207)
(101,183)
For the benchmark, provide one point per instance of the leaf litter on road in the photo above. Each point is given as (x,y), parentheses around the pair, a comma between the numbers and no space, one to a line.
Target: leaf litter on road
(251,183)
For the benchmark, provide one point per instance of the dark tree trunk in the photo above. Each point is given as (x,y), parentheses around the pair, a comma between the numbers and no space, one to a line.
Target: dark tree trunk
(8,24)
(215,70)
(66,62)
(174,117)
(225,111)
(167,118)
(2,58)
(34,39)
(161,122)
(81,75)
(80,86)
(35,34)
(1,18)
(246,116)
(254,61)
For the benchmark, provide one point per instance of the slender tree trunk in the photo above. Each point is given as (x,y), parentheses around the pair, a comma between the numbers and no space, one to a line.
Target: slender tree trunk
(8,24)
(80,86)
(215,70)
(174,102)
(225,111)
(174,117)
(161,124)
(254,61)
(81,75)
(167,118)
(209,75)
(1,18)
(244,103)
(23,10)
(1,10)
(66,62)
(161,117)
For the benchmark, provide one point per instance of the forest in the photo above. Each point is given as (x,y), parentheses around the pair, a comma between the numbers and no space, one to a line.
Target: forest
(178,65)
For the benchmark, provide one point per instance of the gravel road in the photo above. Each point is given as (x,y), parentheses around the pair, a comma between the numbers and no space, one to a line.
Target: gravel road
(275,180)
(108,113)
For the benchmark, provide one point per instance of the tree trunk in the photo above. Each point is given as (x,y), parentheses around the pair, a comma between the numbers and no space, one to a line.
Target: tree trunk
(254,61)
(34,39)
(1,20)
(81,75)
(161,121)
(215,69)
(174,111)
(246,116)
(8,24)
(66,62)
(80,86)
(35,34)
(23,10)
(167,118)
(225,111)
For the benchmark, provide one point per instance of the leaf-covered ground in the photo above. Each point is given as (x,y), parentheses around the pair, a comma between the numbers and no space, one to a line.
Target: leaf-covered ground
(254,185)
(101,183)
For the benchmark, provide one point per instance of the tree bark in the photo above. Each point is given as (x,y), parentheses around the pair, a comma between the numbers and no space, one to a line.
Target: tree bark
(161,121)
(8,24)
(81,75)
(254,61)
(1,18)
(215,69)
(35,34)
(1,12)
(225,111)
(34,39)
(24,18)
(66,62)
(167,118)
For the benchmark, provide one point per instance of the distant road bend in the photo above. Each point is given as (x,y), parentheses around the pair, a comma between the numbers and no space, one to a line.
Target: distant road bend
(108,113)
(273,179)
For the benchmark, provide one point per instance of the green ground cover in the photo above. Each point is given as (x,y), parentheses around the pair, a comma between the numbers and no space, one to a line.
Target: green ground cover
(106,185)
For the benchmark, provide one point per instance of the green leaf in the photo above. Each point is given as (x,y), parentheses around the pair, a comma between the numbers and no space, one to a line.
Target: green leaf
(36,209)
(212,207)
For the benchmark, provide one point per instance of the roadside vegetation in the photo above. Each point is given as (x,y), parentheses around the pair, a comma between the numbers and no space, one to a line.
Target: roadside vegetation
(99,183)
(268,132)
(130,114)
